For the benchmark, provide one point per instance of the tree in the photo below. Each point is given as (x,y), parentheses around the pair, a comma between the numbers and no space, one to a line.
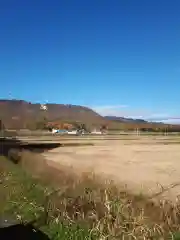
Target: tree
(83,127)
(103,128)
(2,127)
(42,124)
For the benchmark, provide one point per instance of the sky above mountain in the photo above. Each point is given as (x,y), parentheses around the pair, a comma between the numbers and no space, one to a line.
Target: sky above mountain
(120,57)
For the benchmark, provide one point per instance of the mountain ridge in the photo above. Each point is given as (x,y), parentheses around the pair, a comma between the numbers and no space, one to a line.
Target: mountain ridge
(124,119)
(17,114)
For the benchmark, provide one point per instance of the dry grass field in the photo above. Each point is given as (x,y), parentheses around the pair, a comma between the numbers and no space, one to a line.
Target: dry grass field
(82,205)
(145,164)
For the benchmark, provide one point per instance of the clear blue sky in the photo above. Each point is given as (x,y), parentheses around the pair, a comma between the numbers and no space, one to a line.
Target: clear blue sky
(90,52)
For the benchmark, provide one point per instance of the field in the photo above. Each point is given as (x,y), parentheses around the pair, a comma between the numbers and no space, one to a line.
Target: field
(143,164)
(145,170)
(147,164)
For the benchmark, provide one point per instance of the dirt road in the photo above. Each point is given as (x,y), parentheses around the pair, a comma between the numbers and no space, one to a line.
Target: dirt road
(143,165)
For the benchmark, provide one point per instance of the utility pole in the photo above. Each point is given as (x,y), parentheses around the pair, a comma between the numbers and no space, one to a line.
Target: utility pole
(137,131)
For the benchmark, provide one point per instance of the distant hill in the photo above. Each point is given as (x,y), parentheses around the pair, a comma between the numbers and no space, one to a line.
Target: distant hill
(125,120)
(18,114)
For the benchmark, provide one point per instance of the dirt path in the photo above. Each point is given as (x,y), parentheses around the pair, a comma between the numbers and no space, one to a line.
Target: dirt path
(142,165)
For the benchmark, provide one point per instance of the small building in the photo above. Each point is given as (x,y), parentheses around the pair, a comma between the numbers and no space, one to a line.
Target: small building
(96,132)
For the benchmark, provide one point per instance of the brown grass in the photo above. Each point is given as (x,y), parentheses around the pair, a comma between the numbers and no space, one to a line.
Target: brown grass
(108,210)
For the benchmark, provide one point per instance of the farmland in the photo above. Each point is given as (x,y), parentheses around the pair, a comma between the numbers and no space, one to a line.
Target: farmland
(142,163)
(86,204)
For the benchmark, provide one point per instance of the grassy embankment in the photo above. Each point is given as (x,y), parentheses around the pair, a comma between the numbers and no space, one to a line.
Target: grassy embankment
(81,207)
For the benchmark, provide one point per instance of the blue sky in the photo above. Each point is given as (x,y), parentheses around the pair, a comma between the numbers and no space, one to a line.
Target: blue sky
(120,57)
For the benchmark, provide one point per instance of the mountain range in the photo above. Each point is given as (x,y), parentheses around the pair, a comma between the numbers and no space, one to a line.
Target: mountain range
(125,120)
(17,114)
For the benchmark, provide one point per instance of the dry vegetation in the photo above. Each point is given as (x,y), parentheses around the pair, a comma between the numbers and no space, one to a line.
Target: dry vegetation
(144,164)
(82,206)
